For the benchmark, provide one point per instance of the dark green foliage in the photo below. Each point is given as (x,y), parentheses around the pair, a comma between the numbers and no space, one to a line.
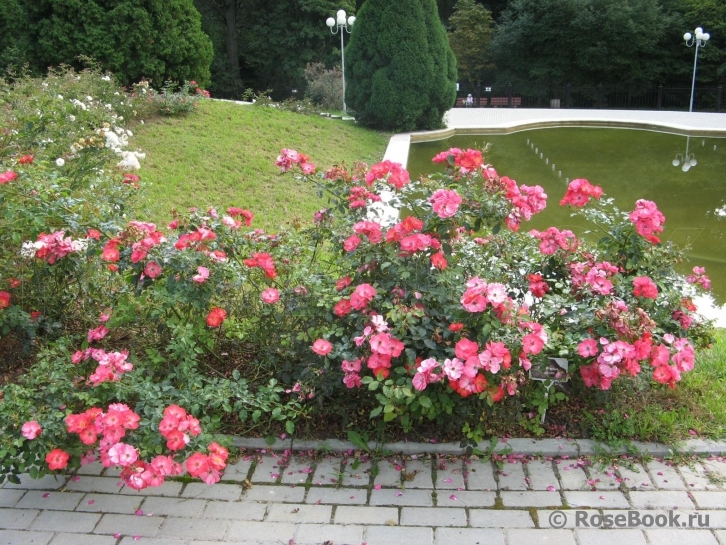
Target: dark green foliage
(579,41)
(154,39)
(400,70)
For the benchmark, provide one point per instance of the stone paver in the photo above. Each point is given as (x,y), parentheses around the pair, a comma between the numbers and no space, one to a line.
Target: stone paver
(681,537)
(228,492)
(696,478)
(389,496)
(17,537)
(610,537)
(174,507)
(267,470)
(721,536)
(665,477)
(63,521)
(47,482)
(449,475)
(366,515)
(479,476)
(606,499)
(498,518)
(540,537)
(337,496)
(417,474)
(468,536)
(388,535)
(511,477)
(129,525)
(82,539)
(17,519)
(530,499)
(108,485)
(427,516)
(572,476)
(300,513)
(235,510)
(327,471)
(109,503)
(356,474)
(237,471)
(314,534)
(275,493)
(189,528)
(465,498)
(661,499)
(604,479)
(636,478)
(389,474)
(542,475)
(710,500)
(8,498)
(279,532)
(297,471)
(58,501)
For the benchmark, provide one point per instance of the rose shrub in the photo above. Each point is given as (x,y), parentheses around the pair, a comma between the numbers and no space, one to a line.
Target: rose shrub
(167,335)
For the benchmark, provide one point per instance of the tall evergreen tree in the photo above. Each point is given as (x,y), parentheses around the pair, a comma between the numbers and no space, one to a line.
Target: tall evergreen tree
(155,39)
(401,72)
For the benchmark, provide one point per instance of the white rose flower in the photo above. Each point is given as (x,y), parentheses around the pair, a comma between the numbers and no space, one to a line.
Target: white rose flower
(60,161)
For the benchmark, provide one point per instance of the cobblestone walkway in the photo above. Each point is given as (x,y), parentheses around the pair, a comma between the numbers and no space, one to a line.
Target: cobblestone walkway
(432,500)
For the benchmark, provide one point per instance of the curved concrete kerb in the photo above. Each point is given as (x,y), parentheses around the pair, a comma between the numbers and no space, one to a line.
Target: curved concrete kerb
(527,447)
(508,120)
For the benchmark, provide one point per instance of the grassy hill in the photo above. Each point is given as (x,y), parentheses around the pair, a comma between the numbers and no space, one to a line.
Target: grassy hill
(223,155)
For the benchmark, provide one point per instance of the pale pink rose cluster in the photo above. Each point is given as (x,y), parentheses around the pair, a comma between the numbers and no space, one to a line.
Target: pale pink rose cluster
(55,246)
(111,365)
(648,220)
(553,239)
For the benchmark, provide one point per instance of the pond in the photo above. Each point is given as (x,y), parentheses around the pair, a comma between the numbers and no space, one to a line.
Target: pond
(629,165)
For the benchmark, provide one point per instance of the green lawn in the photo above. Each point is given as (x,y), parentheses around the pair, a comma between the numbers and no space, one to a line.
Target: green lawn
(223,155)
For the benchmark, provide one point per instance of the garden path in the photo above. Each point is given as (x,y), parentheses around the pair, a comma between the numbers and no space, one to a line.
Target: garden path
(425,499)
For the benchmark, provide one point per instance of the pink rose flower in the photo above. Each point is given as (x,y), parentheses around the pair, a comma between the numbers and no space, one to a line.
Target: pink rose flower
(322,347)
(270,296)
(31,430)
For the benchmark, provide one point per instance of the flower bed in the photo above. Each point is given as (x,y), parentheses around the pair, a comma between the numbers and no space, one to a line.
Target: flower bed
(154,338)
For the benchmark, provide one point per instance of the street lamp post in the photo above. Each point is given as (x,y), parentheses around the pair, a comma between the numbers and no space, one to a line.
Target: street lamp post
(340,23)
(699,40)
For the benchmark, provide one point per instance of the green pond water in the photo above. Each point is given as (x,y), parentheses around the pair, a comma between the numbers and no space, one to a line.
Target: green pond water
(629,165)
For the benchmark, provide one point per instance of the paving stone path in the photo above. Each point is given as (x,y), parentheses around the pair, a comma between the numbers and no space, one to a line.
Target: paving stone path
(270,498)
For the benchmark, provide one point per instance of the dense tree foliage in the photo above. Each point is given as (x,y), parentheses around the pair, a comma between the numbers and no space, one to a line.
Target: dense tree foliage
(154,39)
(579,41)
(471,30)
(266,45)
(401,72)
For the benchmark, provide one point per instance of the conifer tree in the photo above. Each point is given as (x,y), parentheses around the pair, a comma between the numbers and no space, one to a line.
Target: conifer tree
(400,70)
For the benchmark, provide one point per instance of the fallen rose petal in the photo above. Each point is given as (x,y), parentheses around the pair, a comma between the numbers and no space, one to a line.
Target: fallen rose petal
(376,487)
(139,513)
(91,502)
(399,493)
(117,535)
(602,497)
(136,538)
(551,488)
(76,479)
(447,480)
(453,497)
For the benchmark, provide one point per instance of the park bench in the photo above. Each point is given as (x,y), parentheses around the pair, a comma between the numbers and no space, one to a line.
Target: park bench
(500,102)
